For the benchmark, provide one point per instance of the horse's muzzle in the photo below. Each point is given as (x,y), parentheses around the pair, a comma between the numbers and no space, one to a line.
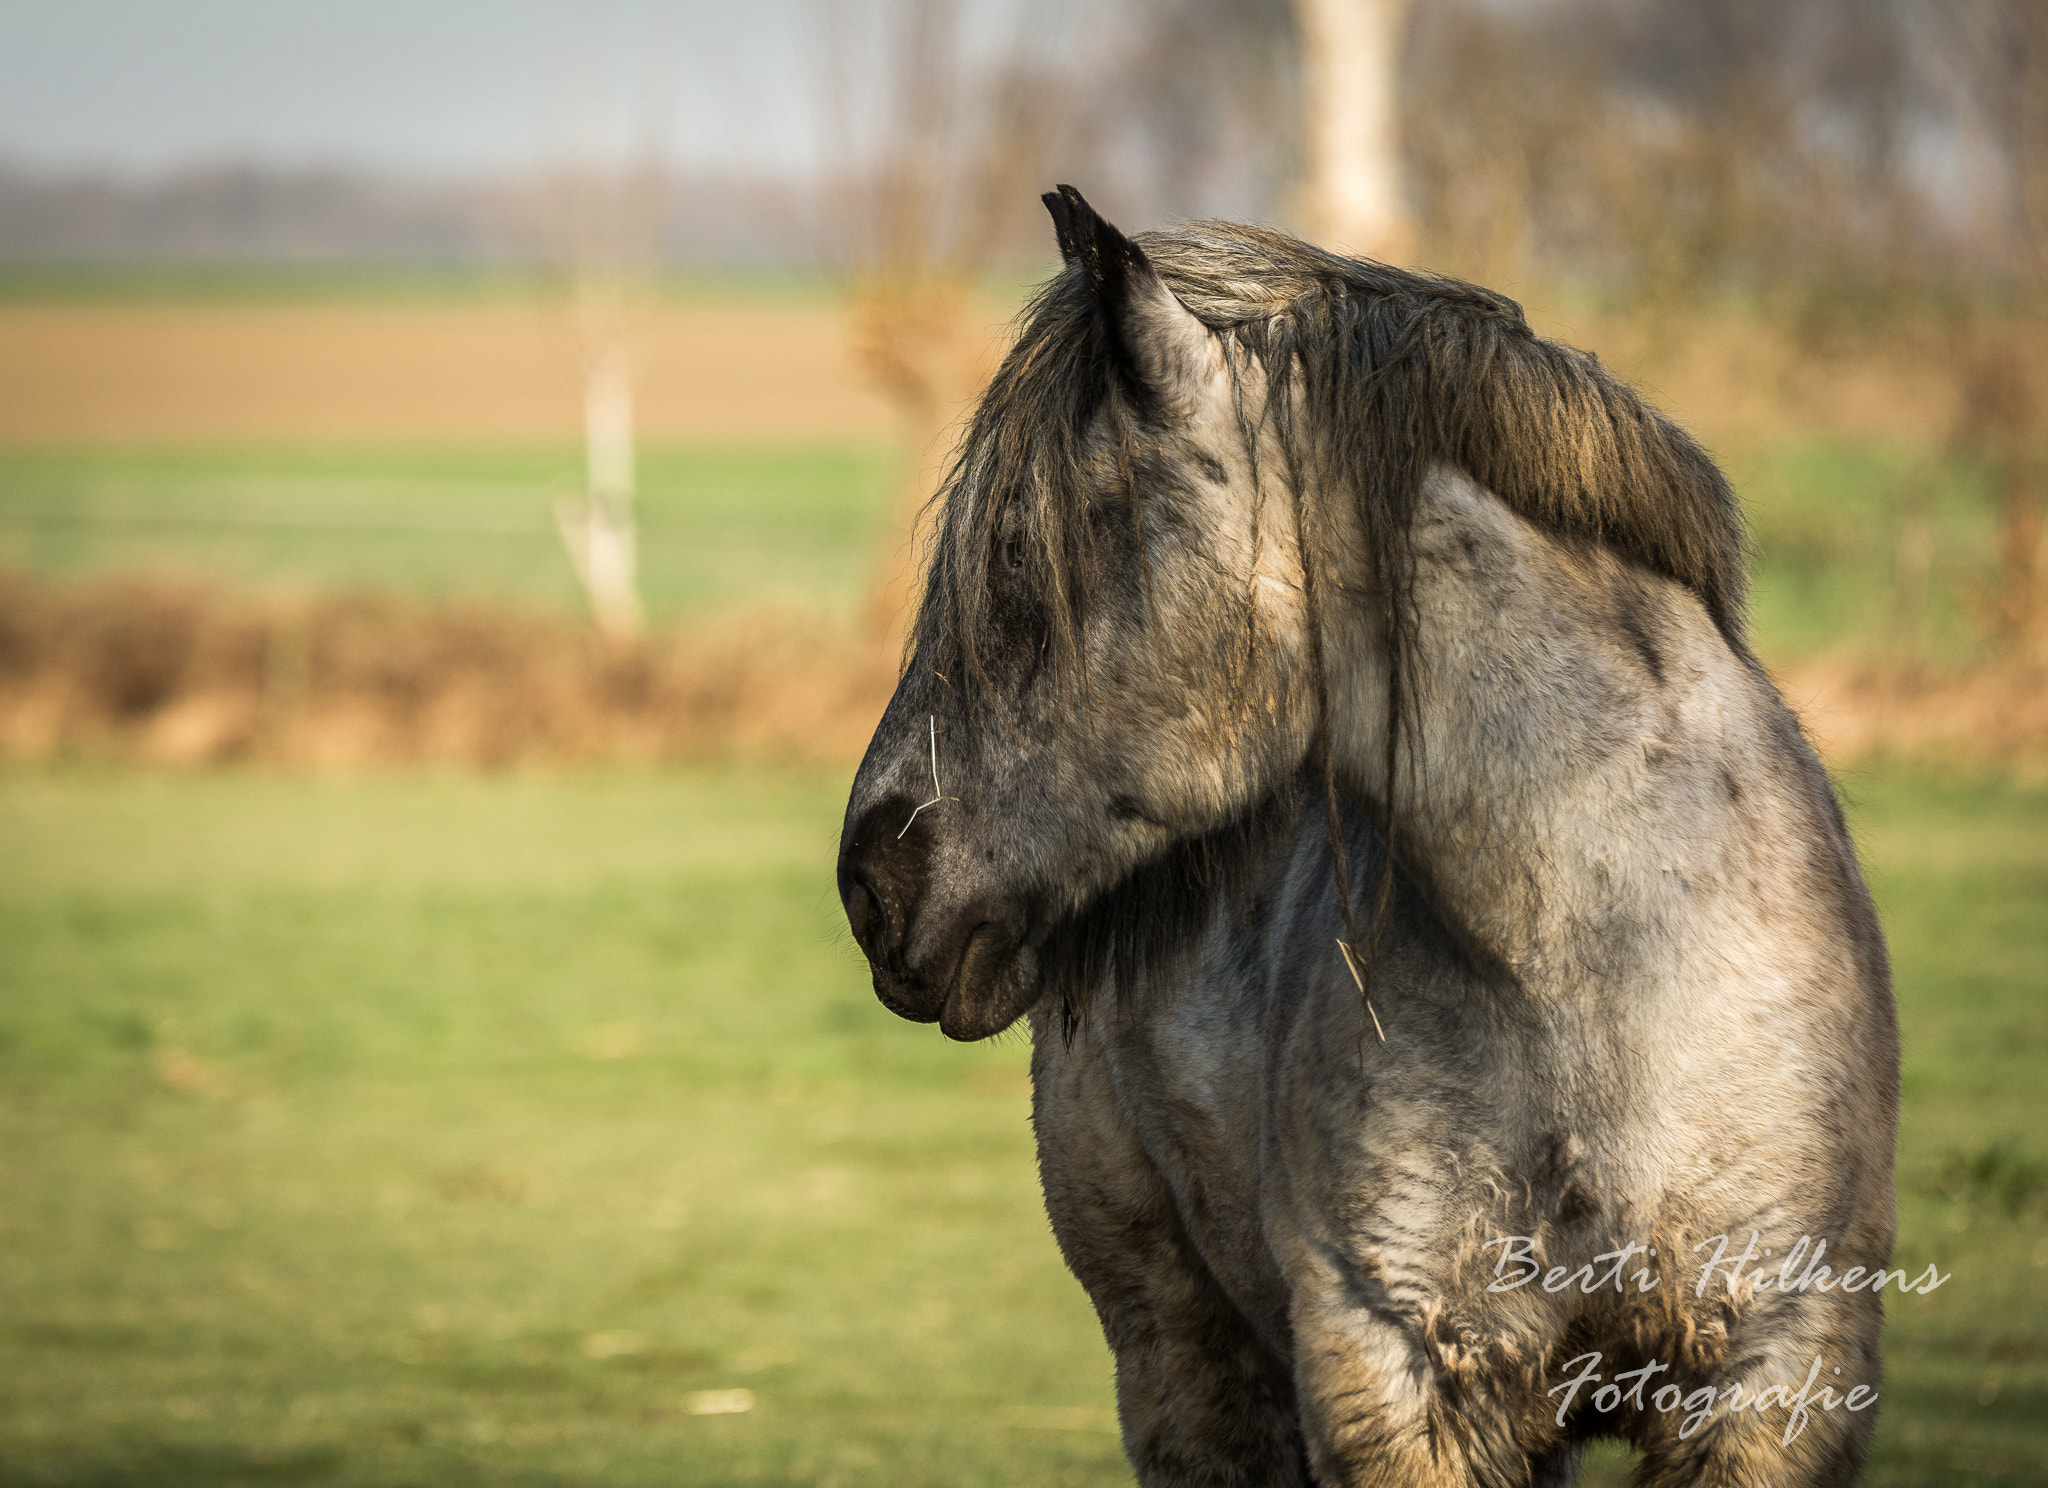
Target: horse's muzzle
(969,968)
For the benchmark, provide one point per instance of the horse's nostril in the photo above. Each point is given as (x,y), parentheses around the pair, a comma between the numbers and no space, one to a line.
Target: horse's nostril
(864,913)
(882,877)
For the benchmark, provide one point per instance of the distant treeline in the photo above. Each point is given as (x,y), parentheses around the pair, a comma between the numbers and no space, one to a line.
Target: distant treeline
(1677,149)
(1666,148)
(241,213)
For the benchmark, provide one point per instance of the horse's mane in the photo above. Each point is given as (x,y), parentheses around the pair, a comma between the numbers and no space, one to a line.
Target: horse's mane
(1373,375)
(1393,370)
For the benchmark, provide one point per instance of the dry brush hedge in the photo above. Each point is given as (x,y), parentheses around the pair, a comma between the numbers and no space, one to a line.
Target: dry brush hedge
(1994,715)
(169,671)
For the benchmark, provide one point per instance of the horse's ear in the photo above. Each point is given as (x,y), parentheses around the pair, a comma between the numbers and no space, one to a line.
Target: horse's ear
(1153,336)
(1063,219)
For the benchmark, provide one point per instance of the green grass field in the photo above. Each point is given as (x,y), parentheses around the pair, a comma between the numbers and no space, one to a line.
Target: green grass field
(439,1131)
(1859,549)
(425,1130)
(1866,550)
(719,526)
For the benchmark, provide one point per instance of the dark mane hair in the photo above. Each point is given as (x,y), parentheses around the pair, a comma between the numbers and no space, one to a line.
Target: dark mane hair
(1373,375)
(1394,370)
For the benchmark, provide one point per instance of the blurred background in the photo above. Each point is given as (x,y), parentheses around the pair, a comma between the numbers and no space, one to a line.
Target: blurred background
(459,466)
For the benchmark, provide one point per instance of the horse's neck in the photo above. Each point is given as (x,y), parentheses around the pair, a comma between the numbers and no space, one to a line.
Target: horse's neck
(1588,758)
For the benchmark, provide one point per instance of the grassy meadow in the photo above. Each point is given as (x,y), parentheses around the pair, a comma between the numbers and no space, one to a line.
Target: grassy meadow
(440,1131)
(409,1130)
(418,1128)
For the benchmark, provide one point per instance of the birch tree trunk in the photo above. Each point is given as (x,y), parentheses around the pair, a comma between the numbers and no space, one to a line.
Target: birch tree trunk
(1352,199)
(598,528)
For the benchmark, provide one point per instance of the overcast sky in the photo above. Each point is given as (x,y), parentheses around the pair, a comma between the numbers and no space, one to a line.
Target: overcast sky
(432,87)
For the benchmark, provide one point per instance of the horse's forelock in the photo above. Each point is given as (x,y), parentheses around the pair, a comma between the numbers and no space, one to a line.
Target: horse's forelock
(1024,459)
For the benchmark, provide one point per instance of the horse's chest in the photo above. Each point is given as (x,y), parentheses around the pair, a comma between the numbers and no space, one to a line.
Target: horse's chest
(1273,1134)
(1190,1086)
(1149,1137)
(1289,1153)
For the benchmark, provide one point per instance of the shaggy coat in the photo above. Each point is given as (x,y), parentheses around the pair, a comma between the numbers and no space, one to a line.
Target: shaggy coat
(1329,721)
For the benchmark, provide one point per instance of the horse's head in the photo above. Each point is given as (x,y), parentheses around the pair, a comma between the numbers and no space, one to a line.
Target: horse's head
(1179,498)
(1111,660)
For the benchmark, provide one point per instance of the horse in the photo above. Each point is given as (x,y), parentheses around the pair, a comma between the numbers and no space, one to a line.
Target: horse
(1459,1025)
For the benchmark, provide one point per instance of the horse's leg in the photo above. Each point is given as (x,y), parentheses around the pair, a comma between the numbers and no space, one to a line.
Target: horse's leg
(1381,1408)
(1560,1469)
(1369,1404)
(1756,1433)
(1736,1451)
(1203,1402)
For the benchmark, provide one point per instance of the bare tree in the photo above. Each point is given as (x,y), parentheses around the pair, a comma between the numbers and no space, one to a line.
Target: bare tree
(598,526)
(607,218)
(1195,110)
(2004,84)
(1352,198)
(2001,416)
(1673,149)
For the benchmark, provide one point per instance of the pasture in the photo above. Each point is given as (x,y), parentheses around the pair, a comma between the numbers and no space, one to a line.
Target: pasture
(720,524)
(300,430)
(422,1129)
(228,360)
(412,1130)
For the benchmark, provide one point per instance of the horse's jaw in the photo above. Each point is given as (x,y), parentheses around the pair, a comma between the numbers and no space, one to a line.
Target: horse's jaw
(996,983)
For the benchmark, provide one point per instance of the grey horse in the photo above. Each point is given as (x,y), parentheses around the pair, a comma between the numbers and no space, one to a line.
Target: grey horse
(1460,1028)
